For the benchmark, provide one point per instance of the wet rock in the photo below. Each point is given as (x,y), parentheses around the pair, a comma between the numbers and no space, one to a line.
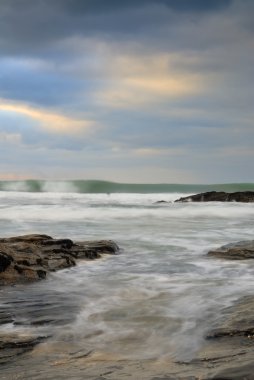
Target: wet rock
(5,317)
(241,250)
(238,321)
(32,238)
(220,196)
(94,249)
(30,257)
(230,346)
(5,261)
(13,345)
(242,372)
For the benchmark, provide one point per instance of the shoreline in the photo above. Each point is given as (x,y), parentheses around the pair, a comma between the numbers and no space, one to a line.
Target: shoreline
(221,357)
(227,353)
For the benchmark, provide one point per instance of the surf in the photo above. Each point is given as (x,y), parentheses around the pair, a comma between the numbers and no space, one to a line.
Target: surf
(107,187)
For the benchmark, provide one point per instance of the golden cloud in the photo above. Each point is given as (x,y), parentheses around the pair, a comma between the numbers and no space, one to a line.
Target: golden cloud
(157,151)
(52,121)
(140,81)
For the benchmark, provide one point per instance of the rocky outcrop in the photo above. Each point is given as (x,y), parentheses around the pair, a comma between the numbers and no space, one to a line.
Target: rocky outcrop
(241,250)
(30,257)
(220,196)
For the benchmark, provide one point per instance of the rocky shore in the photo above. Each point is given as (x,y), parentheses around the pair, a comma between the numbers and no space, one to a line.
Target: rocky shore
(227,353)
(30,258)
(220,196)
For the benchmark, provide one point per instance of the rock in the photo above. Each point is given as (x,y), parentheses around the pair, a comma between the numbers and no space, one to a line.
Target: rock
(13,345)
(230,346)
(94,249)
(30,257)
(5,261)
(238,320)
(220,196)
(5,317)
(241,250)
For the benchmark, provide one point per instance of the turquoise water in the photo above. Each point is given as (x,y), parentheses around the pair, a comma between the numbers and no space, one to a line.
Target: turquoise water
(92,186)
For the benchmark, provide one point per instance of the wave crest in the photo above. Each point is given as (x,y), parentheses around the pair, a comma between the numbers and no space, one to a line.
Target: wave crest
(100,187)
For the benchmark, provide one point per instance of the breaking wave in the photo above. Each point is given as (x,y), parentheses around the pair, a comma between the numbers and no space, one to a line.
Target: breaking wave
(100,187)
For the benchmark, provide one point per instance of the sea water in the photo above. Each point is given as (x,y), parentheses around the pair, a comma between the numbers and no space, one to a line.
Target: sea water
(157,298)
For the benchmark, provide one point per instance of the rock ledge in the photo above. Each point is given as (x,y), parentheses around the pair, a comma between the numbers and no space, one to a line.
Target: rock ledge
(30,257)
(241,250)
(220,196)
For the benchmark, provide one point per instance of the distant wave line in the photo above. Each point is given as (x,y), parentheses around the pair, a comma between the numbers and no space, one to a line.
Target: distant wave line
(102,187)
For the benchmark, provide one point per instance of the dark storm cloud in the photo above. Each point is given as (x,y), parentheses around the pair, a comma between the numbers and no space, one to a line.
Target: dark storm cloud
(109,5)
(86,6)
(27,25)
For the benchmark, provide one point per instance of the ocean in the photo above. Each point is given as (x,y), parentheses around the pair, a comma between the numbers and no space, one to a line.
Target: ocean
(157,298)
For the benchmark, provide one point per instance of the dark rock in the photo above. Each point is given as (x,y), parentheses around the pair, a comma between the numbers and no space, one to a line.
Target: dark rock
(33,238)
(12,346)
(220,196)
(88,248)
(5,261)
(18,342)
(31,257)
(64,243)
(5,317)
(241,250)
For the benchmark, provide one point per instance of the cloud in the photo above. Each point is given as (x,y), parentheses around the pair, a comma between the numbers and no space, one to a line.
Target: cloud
(12,138)
(38,81)
(149,89)
(137,93)
(53,21)
(51,121)
(152,152)
(143,80)
(109,5)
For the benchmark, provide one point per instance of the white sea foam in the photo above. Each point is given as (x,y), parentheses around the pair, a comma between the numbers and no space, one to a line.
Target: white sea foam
(59,187)
(159,296)
(16,186)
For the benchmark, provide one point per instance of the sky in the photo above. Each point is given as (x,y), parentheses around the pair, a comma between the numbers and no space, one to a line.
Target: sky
(142,91)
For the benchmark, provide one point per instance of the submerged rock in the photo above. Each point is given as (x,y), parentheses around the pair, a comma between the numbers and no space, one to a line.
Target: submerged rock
(220,196)
(241,250)
(30,257)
